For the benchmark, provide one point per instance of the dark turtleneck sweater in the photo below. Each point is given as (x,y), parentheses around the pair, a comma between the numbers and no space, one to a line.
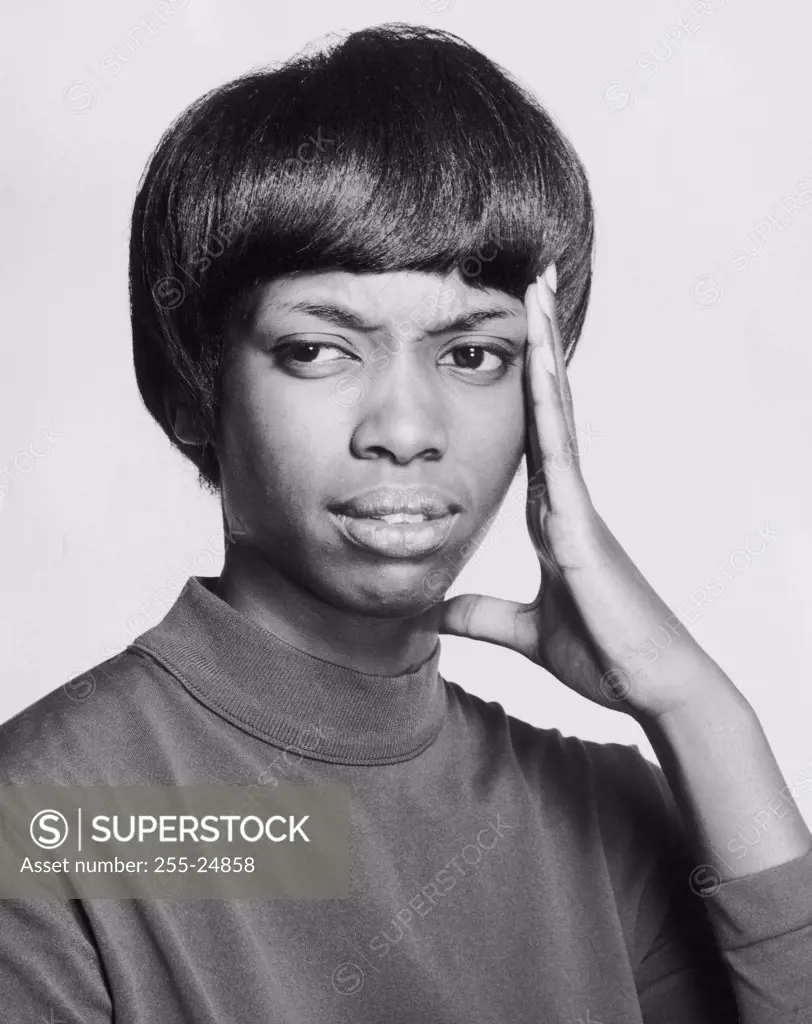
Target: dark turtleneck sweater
(499,872)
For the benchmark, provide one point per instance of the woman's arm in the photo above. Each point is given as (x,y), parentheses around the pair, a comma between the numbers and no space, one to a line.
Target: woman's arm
(724,776)
(50,967)
(590,626)
(725,780)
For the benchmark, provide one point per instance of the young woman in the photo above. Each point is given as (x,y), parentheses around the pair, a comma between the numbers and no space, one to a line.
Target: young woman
(356,283)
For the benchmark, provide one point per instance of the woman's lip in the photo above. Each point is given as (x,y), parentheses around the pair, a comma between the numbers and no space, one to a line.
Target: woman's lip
(397,540)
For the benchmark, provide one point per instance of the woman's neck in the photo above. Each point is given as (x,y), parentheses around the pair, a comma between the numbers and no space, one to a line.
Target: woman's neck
(377,646)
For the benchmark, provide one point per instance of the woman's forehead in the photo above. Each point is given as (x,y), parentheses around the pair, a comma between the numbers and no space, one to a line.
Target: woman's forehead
(370,301)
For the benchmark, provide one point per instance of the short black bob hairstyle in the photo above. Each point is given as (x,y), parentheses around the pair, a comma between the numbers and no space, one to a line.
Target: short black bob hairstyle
(397,147)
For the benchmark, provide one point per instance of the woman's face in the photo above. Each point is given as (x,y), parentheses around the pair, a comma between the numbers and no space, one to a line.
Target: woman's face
(348,397)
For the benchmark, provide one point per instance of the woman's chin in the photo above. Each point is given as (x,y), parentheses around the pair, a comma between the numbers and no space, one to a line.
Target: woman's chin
(396,592)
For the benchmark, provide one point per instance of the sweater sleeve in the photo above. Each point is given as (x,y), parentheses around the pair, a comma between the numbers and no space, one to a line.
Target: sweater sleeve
(763,923)
(740,954)
(50,969)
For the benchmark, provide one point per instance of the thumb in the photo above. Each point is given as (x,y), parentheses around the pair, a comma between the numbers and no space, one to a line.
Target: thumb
(491,619)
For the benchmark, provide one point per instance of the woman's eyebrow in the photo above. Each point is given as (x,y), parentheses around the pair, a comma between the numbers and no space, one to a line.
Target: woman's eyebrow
(467,321)
(333,314)
(351,321)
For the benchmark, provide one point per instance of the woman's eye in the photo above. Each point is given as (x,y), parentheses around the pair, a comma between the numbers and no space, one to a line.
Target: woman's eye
(309,352)
(474,358)
(482,358)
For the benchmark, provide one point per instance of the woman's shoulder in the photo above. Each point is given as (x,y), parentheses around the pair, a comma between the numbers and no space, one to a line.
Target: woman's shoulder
(76,733)
(626,793)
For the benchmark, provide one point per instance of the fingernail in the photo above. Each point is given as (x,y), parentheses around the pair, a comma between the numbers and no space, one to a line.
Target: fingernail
(542,295)
(551,277)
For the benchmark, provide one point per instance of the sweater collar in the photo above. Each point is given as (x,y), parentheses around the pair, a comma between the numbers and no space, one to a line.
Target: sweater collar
(254,679)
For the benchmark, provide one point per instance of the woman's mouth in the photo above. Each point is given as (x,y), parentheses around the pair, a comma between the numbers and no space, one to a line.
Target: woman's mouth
(398,534)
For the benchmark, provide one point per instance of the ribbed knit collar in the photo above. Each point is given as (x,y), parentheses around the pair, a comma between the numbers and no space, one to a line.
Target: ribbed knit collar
(257,681)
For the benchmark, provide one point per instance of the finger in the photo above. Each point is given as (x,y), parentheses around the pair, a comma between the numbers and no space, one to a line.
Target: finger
(547,298)
(491,619)
(565,487)
(538,505)
(536,483)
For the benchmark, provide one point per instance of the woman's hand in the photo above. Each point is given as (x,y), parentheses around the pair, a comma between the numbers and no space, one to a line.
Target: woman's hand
(594,611)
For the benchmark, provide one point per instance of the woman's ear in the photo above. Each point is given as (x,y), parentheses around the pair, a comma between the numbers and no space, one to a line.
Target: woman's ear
(180,419)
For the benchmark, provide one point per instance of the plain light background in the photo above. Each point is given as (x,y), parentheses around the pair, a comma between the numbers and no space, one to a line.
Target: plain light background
(691,380)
